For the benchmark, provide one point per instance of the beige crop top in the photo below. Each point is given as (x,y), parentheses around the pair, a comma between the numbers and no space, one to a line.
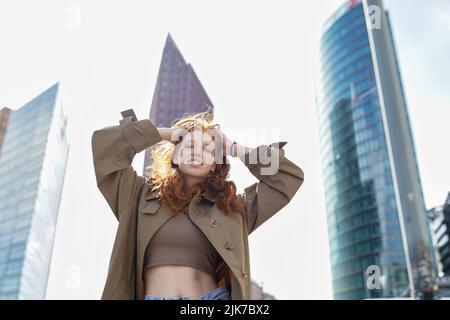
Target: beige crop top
(180,242)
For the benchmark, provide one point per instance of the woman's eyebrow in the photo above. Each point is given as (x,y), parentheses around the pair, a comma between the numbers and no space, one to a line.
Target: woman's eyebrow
(204,141)
(205,144)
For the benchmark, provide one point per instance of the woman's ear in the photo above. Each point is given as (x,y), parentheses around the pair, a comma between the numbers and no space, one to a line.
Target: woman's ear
(173,160)
(172,164)
(174,157)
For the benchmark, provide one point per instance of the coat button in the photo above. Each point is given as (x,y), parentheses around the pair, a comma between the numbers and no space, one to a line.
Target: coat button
(201,212)
(214,223)
(229,246)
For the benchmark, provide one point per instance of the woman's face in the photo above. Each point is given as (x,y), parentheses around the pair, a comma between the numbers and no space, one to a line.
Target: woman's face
(195,154)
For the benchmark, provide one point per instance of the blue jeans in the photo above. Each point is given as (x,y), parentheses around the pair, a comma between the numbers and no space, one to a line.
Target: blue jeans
(220,293)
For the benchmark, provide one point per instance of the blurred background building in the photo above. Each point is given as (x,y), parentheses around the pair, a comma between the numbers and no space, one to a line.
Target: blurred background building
(33,159)
(258,292)
(177,91)
(375,206)
(4,117)
(439,218)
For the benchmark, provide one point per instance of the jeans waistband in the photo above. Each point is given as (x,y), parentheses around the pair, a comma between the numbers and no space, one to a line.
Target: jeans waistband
(219,293)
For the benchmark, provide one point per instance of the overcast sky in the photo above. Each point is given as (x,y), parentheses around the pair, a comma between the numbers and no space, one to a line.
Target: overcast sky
(255,60)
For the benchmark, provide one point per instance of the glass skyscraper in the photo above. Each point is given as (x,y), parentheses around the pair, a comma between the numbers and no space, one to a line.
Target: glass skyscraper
(375,208)
(32,167)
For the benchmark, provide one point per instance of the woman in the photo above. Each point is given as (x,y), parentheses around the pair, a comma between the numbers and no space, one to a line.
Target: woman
(183,230)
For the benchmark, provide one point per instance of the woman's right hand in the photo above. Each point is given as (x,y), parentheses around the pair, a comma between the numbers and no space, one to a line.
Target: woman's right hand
(172,135)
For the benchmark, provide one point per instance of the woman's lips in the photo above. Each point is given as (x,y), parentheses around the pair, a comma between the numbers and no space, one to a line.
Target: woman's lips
(195,162)
(195,165)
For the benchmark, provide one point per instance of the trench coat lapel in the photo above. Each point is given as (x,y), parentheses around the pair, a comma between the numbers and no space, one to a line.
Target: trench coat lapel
(224,233)
(151,216)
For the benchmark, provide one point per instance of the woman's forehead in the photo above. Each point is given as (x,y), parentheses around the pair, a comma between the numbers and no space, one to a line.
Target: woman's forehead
(197,136)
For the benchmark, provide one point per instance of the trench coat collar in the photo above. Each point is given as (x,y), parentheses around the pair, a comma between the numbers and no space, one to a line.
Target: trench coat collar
(204,195)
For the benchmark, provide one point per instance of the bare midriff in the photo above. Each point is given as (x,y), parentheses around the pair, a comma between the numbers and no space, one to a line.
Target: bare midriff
(174,280)
(180,260)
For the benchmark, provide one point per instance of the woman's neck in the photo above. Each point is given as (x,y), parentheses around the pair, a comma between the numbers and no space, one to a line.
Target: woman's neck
(190,182)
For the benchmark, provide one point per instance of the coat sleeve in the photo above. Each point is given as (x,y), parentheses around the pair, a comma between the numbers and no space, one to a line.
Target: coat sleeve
(113,150)
(279,179)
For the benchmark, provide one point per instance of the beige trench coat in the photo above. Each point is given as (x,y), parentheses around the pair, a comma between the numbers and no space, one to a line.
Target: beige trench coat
(140,214)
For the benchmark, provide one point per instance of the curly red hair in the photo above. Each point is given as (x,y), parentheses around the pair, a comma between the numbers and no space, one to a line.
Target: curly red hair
(168,181)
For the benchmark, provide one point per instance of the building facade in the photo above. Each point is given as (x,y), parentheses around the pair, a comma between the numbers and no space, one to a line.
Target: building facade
(32,168)
(377,224)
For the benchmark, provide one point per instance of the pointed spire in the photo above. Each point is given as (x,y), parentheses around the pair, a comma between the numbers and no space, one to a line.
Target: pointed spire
(171,50)
(178,90)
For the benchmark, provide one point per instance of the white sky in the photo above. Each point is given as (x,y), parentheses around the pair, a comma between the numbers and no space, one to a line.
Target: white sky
(255,60)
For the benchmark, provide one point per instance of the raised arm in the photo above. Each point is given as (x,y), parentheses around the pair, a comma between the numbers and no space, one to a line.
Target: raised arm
(279,179)
(113,150)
